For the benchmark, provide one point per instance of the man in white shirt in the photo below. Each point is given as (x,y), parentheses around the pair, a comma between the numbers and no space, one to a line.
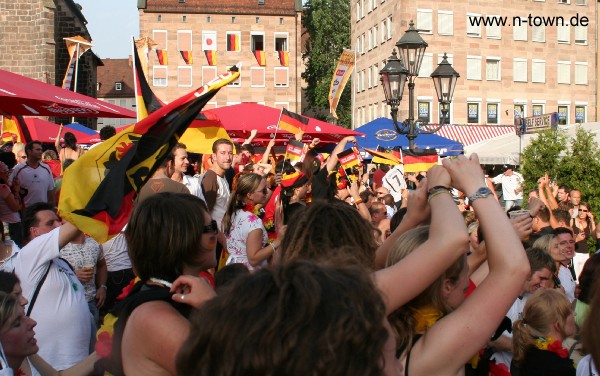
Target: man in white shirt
(179,166)
(63,328)
(512,190)
(34,178)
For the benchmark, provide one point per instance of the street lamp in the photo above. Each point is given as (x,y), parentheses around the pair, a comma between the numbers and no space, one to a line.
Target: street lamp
(397,71)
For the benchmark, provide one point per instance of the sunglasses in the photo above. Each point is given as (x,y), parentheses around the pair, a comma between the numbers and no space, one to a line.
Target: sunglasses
(264,191)
(584,210)
(211,228)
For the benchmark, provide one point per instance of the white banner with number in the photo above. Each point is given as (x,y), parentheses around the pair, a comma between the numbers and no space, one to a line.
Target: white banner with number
(394,182)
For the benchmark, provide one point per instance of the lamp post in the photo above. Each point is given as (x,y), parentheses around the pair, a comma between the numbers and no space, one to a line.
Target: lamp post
(397,71)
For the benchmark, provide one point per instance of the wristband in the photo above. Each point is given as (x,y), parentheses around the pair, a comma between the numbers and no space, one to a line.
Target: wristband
(437,190)
(103,287)
(359,201)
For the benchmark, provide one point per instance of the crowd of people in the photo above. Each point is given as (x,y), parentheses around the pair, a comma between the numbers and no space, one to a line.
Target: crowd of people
(236,263)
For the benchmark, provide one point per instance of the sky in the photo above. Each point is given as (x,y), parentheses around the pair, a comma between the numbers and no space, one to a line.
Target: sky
(111,24)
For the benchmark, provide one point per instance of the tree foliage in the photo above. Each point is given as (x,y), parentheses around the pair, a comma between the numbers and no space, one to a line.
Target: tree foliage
(327,23)
(576,166)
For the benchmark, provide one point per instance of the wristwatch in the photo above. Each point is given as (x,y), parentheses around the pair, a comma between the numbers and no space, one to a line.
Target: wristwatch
(482,192)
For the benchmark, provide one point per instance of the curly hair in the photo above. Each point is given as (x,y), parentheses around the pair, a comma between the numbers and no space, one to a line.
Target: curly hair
(298,318)
(323,230)
(402,319)
(543,308)
(162,237)
(245,183)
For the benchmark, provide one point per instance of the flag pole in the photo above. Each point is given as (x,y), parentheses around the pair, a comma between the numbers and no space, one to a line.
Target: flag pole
(76,71)
(135,79)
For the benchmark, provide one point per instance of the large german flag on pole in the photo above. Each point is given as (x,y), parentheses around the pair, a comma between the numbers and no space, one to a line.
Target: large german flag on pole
(98,189)
(292,122)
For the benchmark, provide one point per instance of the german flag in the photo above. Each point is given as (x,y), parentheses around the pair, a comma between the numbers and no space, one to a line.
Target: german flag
(203,131)
(385,156)
(99,188)
(419,160)
(348,159)
(233,42)
(211,57)
(187,57)
(163,59)
(284,58)
(292,122)
(14,129)
(260,57)
(294,152)
(146,101)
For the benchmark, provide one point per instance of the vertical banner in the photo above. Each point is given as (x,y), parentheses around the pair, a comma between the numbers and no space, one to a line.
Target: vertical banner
(73,49)
(340,77)
(143,47)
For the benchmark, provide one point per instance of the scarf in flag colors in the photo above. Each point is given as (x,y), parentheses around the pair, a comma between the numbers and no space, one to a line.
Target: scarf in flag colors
(187,57)
(292,122)
(98,189)
(163,59)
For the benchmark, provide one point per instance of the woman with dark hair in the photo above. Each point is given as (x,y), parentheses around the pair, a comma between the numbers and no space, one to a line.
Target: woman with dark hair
(537,338)
(583,226)
(293,319)
(71,150)
(245,232)
(294,188)
(168,235)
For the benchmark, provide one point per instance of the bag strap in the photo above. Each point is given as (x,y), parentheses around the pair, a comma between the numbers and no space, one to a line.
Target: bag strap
(37,290)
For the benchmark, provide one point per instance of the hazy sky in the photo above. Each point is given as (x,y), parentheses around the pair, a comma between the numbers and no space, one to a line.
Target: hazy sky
(111,24)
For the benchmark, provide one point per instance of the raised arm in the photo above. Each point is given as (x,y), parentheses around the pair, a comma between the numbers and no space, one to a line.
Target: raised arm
(452,341)
(57,142)
(333,158)
(265,157)
(447,240)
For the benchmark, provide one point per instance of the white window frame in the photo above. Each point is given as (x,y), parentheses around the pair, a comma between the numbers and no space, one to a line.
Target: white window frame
(579,33)
(280,35)
(498,103)
(389,27)
(375,75)
(440,28)
(239,34)
(493,31)
(425,21)
(566,104)
(207,68)
(158,67)
(478,101)
(185,67)
(520,60)
(383,34)
(281,105)
(521,28)
(585,106)
(375,41)
(566,31)
(535,32)
(429,100)
(369,40)
(563,64)
(263,69)
(191,39)
(535,63)
(157,31)
(287,69)
(426,73)
(257,33)
(477,77)
(538,102)
(586,70)
(238,82)
(118,86)
(494,58)
(473,31)
(520,102)
(369,78)
(357,10)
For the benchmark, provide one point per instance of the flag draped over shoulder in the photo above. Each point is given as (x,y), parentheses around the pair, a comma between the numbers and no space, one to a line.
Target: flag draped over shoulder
(146,101)
(76,46)
(292,122)
(341,75)
(421,160)
(98,189)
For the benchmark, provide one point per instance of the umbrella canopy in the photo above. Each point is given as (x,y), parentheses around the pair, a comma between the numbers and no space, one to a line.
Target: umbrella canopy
(46,131)
(381,132)
(81,128)
(240,119)
(21,95)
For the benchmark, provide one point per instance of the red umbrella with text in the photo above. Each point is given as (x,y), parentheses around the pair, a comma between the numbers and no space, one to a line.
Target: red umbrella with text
(20,95)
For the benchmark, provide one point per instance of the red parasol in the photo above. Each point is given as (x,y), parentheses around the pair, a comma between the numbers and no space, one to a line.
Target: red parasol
(46,131)
(240,119)
(21,95)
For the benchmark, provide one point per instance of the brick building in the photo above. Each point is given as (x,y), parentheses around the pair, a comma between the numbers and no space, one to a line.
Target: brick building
(31,43)
(523,67)
(231,31)
(115,85)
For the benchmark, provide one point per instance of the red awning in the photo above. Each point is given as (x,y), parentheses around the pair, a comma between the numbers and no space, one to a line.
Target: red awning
(46,131)
(20,95)
(472,134)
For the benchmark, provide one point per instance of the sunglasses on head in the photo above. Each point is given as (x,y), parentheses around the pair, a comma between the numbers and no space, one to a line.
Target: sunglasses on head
(211,228)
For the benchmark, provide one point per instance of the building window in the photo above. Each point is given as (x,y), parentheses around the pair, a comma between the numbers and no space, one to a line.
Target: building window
(160,76)
(159,18)
(426,65)
(209,73)
(473,30)
(369,78)
(257,77)
(282,77)
(369,39)
(444,119)
(181,1)
(520,70)
(445,23)
(538,71)
(581,35)
(209,40)
(234,41)
(520,113)
(118,86)
(281,42)
(473,67)
(580,114)
(375,36)
(281,20)
(564,72)
(424,111)
(208,19)
(362,80)
(184,40)
(492,69)
(257,19)
(160,38)
(520,29)
(183,18)
(261,2)
(358,11)
(184,76)
(375,75)
(257,42)
(473,113)
(537,109)
(362,43)
(538,33)
(389,27)
(563,115)
(563,34)
(493,31)
(238,82)
(580,2)
(233,19)
(581,73)
(492,113)
(425,21)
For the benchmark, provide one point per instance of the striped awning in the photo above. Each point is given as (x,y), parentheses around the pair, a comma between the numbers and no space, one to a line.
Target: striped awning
(472,134)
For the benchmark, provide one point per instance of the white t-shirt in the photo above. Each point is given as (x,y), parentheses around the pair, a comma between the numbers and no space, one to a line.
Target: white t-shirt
(8,264)
(514,313)
(583,368)
(63,319)
(242,224)
(36,180)
(116,254)
(193,184)
(567,282)
(223,194)
(509,184)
